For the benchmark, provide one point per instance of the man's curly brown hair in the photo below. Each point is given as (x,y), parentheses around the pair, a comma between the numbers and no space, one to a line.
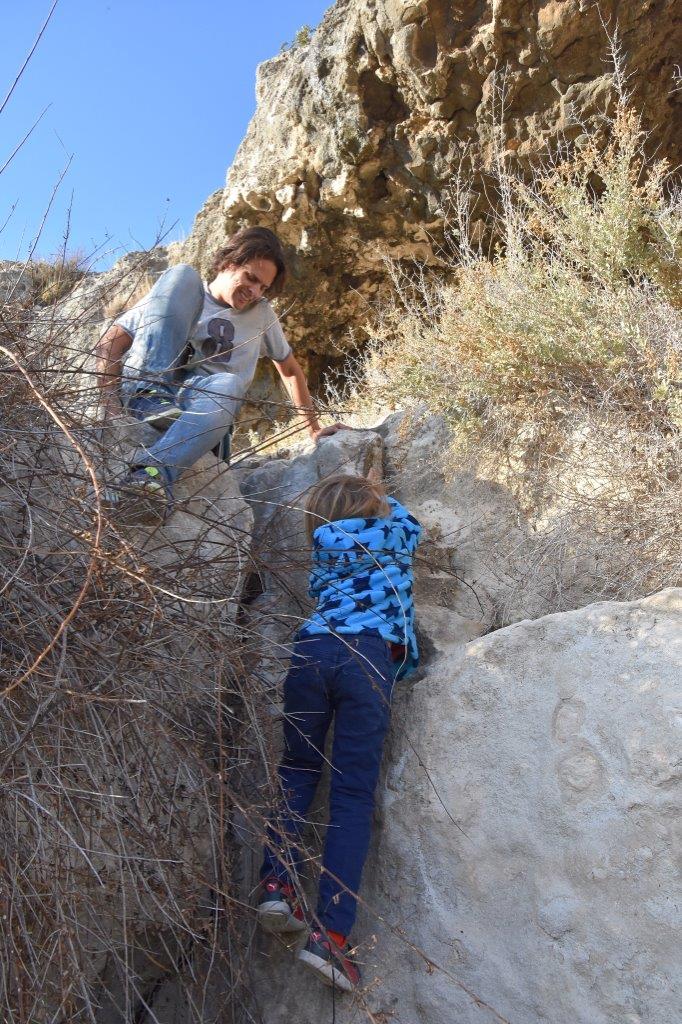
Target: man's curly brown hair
(252,244)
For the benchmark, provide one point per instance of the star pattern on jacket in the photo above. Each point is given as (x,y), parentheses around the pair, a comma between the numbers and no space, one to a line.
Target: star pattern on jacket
(362,579)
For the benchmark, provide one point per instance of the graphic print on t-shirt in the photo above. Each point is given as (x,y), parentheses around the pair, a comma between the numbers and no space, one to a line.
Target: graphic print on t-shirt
(223,340)
(220,339)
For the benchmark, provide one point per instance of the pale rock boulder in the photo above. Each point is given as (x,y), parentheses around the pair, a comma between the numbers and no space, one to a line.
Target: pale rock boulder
(15,285)
(483,554)
(526,859)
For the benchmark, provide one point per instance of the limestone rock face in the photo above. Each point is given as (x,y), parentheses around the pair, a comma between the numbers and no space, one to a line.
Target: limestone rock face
(358,133)
(14,285)
(481,556)
(525,864)
(527,844)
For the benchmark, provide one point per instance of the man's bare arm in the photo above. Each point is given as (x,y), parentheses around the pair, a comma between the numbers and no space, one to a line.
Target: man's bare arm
(294,379)
(109,353)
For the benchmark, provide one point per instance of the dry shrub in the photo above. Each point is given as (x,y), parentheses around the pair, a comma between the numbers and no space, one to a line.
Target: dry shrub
(129,736)
(557,361)
(51,280)
(127,298)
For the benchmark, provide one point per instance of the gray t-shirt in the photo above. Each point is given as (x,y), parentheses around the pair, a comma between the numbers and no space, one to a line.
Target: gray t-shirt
(223,341)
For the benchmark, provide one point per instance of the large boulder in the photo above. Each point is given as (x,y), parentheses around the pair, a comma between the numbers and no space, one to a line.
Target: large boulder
(525,866)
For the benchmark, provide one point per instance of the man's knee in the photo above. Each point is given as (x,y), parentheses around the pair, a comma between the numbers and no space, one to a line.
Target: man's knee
(180,285)
(215,399)
(224,385)
(182,273)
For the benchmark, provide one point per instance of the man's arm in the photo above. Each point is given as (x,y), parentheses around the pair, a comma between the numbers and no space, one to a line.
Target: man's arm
(293,377)
(109,353)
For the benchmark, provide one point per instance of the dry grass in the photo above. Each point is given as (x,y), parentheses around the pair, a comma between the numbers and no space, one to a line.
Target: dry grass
(132,730)
(558,361)
(127,298)
(52,280)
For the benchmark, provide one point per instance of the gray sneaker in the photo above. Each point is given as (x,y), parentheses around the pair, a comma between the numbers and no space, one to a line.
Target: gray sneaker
(279,909)
(332,964)
(144,495)
(155,407)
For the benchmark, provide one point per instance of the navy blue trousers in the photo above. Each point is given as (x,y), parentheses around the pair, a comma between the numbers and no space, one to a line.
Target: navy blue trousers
(348,679)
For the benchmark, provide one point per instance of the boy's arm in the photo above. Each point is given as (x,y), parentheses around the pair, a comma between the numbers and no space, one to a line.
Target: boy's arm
(294,380)
(109,353)
(409,523)
(399,514)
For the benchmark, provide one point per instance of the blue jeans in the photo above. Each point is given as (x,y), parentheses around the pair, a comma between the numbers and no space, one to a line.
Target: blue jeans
(154,362)
(350,679)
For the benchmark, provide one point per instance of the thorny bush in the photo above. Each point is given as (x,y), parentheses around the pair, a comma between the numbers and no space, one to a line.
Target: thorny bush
(129,736)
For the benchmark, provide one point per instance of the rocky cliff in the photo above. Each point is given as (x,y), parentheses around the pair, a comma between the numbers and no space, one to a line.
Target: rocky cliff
(525,865)
(524,862)
(360,132)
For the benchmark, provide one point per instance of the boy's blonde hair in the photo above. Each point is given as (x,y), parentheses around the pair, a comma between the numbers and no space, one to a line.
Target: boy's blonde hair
(344,496)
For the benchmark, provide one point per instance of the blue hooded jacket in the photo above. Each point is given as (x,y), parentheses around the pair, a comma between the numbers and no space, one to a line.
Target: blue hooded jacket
(362,579)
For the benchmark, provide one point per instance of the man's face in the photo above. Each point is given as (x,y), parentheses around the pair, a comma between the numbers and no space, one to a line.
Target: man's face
(242,286)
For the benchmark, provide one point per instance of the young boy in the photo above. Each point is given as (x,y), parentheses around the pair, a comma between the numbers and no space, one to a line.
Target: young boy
(345,660)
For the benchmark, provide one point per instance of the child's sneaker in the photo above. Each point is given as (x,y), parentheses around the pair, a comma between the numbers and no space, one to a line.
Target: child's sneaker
(155,407)
(143,495)
(279,909)
(332,963)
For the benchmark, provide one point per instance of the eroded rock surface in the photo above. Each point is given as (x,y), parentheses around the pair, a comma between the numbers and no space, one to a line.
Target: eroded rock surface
(527,838)
(358,133)
(483,556)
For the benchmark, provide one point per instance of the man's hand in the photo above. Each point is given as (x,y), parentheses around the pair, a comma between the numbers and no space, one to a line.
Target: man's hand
(328,431)
(295,382)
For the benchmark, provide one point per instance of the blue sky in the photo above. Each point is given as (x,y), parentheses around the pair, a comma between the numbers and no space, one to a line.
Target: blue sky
(148,100)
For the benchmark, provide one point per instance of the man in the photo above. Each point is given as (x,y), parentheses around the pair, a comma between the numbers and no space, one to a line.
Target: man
(183,358)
